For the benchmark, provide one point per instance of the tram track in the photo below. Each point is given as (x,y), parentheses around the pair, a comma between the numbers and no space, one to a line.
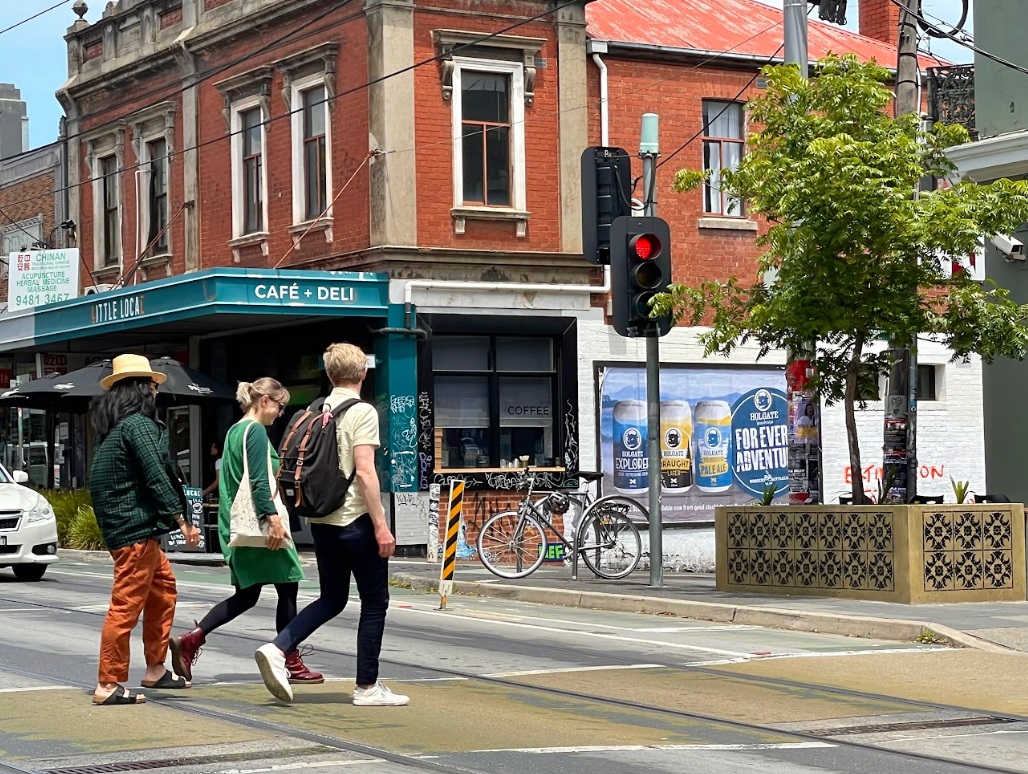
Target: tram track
(980,716)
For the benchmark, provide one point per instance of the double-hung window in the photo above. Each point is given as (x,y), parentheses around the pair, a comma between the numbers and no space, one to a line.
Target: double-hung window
(495,399)
(249,171)
(485,132)
(488,135)
(110,207)
(722,150)
(312,136)
(157,197)
(315,169)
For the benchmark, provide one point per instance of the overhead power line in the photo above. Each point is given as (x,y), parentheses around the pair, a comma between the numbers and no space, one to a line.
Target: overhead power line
(339,93)
(972,46)
(34,16)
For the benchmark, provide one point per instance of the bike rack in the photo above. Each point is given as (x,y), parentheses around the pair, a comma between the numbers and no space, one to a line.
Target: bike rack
(578,529)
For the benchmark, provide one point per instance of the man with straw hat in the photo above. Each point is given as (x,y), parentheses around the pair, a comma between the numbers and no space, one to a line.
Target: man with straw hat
(136,499)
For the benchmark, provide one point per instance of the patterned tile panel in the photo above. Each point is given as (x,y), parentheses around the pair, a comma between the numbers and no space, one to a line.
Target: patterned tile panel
(809,550)
(968,551)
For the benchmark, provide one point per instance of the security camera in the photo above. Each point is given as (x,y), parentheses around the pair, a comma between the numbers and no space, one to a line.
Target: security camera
(1012,248)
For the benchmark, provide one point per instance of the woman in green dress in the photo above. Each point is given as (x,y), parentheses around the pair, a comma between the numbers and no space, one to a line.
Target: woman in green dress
(262,401)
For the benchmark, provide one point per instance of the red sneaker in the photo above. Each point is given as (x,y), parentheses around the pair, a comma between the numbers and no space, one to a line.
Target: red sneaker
(299,674)
(185,650)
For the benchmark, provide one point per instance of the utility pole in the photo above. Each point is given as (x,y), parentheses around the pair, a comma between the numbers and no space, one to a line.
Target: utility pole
(805,471)
(899,448)
(648,152)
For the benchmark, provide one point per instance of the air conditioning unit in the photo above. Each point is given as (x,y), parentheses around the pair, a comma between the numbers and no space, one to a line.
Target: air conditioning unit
(92,290)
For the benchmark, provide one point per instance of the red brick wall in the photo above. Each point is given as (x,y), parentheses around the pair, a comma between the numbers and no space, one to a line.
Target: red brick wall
(434,155)
(104,110)
(349,117)
(174,16)
(23,200)
(676,93)
(879,19)
(480,505)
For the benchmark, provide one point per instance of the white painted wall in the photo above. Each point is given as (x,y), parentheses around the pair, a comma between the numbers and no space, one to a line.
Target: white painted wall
(950,430)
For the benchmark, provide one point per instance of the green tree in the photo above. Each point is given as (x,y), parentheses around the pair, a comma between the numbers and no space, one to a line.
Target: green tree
(852,257)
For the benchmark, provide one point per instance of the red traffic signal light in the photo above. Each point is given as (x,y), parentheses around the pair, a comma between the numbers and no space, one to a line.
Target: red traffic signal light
(640,263)
(644,246)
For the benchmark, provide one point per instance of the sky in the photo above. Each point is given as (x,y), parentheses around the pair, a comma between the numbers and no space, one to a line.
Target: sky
(34,57)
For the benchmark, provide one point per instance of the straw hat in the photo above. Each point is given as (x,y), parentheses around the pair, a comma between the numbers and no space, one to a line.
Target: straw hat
(129,367)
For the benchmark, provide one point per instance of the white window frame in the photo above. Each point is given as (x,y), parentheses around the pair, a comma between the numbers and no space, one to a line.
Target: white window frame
(238,183)
(100,225)
(724,202)
(144,195)
(299,167)
(515,71)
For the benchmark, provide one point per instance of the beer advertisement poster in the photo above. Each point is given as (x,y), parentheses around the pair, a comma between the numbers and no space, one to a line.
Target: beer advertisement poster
(724,437)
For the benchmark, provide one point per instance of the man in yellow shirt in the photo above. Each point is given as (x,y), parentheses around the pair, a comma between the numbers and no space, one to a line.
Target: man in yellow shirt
(353,539)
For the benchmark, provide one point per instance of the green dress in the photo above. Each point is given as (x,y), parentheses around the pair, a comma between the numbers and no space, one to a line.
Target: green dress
(249,565)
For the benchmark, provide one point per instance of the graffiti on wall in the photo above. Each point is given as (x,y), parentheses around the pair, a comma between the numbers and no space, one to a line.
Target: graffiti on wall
(874,472)
(425,446)
(403,438)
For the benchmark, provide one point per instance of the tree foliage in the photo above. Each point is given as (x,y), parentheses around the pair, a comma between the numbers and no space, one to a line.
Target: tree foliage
(855,254)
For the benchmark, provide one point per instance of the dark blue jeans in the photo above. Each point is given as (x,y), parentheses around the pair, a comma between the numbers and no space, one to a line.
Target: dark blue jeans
(341,551)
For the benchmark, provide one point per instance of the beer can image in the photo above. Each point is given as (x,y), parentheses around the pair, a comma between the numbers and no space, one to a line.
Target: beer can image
(676,474)
(713,441)
(631,470)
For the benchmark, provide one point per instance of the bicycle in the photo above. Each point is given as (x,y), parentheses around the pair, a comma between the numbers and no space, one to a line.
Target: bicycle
(513,544)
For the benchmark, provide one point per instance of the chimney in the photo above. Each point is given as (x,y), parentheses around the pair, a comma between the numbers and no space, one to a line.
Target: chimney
(879,19)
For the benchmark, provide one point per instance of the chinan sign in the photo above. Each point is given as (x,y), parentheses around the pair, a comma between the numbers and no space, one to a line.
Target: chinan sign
(40,277)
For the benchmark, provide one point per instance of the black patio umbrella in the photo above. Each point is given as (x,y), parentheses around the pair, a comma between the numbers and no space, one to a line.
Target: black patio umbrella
(74,389)
(187,385)
(64,392)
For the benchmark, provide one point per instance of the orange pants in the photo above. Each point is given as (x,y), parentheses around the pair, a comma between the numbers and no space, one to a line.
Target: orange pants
(143,583)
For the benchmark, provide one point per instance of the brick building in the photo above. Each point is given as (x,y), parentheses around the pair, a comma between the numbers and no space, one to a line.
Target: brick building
(226,156)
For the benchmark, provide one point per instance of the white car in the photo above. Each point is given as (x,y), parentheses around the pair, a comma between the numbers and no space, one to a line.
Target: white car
(28,529)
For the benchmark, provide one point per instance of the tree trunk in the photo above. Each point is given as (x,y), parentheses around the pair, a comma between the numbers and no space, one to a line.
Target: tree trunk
(856,477)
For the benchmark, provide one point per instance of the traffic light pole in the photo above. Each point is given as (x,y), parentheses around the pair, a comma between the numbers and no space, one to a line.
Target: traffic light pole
(648,152)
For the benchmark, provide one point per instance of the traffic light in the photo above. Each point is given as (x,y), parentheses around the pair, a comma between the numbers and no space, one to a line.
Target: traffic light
(606,194)
(640,267)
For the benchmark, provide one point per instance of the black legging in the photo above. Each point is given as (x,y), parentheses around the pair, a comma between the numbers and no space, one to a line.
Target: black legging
(244,599)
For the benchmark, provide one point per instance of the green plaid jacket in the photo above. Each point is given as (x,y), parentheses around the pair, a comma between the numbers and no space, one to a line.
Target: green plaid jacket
(134,496)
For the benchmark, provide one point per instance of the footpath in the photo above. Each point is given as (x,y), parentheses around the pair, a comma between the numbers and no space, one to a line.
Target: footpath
(987,626)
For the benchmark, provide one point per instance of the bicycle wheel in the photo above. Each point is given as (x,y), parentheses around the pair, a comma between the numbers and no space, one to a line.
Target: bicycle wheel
(511,545)
(609,541)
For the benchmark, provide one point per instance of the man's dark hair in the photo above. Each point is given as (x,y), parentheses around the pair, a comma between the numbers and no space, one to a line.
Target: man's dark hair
(125,398)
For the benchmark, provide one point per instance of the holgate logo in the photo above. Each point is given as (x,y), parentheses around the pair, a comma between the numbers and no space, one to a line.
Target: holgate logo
(673,438)
(762,400)
(632,439)
(712,438)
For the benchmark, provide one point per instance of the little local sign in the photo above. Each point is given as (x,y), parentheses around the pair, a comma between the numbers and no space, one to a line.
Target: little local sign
(41,277)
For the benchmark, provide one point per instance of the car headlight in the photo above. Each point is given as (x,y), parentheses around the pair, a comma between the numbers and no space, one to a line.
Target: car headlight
(41,512)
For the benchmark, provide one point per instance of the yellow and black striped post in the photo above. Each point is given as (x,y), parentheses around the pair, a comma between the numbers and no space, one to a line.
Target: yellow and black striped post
(450,548)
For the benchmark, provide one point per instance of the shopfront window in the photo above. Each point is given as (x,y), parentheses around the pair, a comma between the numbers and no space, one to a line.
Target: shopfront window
(494,401)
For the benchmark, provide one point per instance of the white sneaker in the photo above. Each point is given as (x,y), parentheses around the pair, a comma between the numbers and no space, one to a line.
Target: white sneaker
(378,696)
(272,663)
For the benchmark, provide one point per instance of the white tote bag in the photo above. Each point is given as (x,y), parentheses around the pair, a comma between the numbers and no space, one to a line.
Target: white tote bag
(244,527)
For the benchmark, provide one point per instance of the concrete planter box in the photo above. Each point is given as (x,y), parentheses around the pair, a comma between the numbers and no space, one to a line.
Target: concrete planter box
(894,553)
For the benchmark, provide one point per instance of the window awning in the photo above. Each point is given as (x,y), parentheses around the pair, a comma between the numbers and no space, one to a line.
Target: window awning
(201,302)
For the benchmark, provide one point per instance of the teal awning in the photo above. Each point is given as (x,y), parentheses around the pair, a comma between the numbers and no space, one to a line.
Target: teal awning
(225,294)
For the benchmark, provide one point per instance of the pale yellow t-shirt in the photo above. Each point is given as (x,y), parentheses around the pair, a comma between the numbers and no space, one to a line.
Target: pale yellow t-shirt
(357,427)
